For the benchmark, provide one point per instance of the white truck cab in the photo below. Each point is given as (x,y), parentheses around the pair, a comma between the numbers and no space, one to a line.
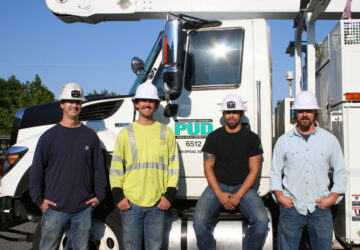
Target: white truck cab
(194,63)
(214,59)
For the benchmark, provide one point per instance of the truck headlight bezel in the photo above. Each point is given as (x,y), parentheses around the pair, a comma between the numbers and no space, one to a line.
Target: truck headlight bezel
(13,156)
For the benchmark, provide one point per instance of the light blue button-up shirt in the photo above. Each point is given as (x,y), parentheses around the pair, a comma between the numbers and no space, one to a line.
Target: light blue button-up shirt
(300,168)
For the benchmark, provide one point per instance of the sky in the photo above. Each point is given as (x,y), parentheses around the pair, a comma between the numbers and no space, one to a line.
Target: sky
(34,41)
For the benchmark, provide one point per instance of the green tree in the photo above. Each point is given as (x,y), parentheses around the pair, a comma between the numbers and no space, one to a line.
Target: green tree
(102,92)
(38,93)
(15,95)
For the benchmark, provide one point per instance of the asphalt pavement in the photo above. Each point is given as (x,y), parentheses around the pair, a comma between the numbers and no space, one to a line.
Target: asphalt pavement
(16,238)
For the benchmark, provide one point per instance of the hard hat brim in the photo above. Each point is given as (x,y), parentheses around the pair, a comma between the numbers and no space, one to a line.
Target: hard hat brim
(145,97)
(304,108)
(233,109)
(72,99)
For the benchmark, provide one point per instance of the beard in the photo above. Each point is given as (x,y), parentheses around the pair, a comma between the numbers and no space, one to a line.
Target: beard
(305,126)
(232,125)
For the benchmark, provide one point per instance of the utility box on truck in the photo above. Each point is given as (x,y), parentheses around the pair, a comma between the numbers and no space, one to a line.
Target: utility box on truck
(338,92)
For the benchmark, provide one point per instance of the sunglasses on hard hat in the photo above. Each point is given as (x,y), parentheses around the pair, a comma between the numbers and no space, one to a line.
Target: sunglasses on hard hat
(145,100)
(236,112)
(305,111)
(78,102)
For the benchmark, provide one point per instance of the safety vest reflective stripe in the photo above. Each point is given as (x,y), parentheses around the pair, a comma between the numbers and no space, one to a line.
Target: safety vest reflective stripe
(144,165)
(174,158)
(154,165)
(162,131)
(136,165)
(116,158)
(173,171)
(132,143)
(116,172)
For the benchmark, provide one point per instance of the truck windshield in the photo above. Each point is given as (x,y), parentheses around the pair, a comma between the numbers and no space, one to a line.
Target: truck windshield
(214,58)
(148,67)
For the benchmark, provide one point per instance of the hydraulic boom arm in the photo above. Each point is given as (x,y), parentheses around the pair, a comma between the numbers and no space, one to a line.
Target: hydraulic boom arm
(95,11)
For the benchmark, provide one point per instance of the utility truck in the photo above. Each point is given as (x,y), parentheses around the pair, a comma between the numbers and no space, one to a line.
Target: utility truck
(338,93)
(209,50)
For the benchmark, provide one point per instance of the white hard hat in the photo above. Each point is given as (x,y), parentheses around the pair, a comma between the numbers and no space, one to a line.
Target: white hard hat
(72,91)
(147,90)
(232,102)
(305,100)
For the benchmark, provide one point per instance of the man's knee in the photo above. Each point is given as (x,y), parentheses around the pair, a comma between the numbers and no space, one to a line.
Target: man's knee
(201,214)
(258,215)
(260,226)
(262,222)
(52,229)
(262,216)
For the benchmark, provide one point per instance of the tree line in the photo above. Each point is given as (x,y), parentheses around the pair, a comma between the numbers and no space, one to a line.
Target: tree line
(15,95)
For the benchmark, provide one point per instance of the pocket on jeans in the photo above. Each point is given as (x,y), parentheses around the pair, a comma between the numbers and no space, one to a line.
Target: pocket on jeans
(46,211)
(288,208)
(321,209)
(91,208)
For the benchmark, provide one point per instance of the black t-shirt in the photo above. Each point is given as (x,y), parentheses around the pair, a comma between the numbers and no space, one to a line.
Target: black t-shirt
(232,152)
(306,137)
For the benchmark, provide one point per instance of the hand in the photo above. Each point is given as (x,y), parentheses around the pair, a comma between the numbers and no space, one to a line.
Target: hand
(45,205)
(326,202)
(164,204)
(285,201)
(235,200)
(225,201)
(94,202)
(124,205)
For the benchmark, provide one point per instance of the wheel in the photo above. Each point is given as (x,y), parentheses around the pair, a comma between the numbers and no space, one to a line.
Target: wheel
(105,234)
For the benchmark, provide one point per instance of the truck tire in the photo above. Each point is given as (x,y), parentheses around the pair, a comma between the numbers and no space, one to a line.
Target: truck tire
(105,234)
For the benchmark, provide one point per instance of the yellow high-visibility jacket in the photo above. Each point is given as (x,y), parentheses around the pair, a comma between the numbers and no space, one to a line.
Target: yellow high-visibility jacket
(145,163)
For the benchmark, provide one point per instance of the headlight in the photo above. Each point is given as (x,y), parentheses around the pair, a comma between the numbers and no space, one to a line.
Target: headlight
(13,156)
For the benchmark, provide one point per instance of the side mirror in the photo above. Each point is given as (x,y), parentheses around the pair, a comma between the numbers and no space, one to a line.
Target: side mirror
(137,66)
(173,60)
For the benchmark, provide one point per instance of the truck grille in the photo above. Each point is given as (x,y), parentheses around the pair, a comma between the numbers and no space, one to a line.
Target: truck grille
(100,111)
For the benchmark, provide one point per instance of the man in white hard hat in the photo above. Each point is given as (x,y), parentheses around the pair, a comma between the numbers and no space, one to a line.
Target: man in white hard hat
(144,173)
(68,178)
(232,160)
(299,178)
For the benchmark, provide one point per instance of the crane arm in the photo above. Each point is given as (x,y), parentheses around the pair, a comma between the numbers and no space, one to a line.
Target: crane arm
(95,11)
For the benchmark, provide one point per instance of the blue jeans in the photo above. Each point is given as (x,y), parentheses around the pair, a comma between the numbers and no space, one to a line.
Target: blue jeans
(291,224)
(251,206)
(139,222)
(53,226)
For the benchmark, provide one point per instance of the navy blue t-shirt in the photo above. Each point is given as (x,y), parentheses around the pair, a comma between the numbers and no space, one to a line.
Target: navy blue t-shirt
(68,168)
(232,152)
